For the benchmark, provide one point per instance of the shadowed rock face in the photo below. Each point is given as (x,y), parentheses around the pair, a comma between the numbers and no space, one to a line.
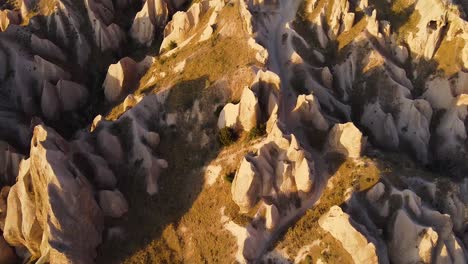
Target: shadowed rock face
(51,209)
(323,81)
(53,54)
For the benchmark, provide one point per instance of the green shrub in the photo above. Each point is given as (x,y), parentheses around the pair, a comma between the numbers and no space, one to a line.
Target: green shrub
(229,177)
(227,136)
(172,45)
(256,132)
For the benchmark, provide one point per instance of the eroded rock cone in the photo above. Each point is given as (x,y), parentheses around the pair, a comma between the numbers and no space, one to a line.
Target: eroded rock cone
(121,78)
(341,227)
(51,209)
(7,255)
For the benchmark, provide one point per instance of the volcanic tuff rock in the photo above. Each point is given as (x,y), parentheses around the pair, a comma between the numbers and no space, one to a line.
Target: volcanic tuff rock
(346,139)
(419,233)
(354,78)
(9,163)
(7,254)
(62,174)
(112,203)
(121,78)
(51,188)
(151,17)
(342,228)
(281,168)
(256,105)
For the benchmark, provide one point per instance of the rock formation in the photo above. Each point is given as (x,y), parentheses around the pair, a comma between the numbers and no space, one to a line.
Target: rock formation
(121,78)
(152,16)
(87,85)
(256,105)
(419,233)
(51,209)
(342,228)
(346,139)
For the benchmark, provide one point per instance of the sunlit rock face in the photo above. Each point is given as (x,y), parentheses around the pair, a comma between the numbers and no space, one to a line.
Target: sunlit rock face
(342,228)
(151,18)
(52,54)
(49,190)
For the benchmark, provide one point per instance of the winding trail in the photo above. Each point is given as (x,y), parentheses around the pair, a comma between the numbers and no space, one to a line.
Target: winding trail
(279,54)
(274,33)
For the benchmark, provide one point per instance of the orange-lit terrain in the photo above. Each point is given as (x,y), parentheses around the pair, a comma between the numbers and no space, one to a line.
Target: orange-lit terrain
(233,131)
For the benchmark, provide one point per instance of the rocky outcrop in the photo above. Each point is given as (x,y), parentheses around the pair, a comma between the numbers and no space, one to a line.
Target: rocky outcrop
(451,129)
(51,209)
(419,233)
(342,228)
(129,140)
(248,110)
(107,35)
(256,105)
(112,203)
(121,78)
(71,95)
(7,255)
(228,116)
(423,42)
(318,70)
(281,168)
(411,242)
(346,139)
(177,30)
(152,16)
(307,111)
(46,46)
(381,126)
(8,17)
(68,187)
(9,163)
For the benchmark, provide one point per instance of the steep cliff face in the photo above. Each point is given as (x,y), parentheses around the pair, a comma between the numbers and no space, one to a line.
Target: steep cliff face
(317,131)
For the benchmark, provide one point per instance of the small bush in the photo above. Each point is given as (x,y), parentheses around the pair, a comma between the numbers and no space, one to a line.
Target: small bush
(227,136)
(256,132)
(172,45)
(229,177)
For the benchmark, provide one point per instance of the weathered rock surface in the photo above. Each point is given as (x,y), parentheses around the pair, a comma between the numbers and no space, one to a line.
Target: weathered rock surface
(9,163)
(256,105)
(176,31)
(8,17)
(346,139)
(321,65)
(281,167)
(7,255)
(121,78)
(418,232)
(307,111)
(341,227)
(112,203)
(152,16)
(51,209)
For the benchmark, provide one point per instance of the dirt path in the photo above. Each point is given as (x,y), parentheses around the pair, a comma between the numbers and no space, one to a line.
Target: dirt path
(273,30)
(276,25)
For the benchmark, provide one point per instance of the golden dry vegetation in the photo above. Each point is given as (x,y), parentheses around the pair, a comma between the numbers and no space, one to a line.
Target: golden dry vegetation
(182,222)
(348,176)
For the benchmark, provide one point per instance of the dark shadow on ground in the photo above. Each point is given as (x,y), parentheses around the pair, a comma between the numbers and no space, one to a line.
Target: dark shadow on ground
(179,184)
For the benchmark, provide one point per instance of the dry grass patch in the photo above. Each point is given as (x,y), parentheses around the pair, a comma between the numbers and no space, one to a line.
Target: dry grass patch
(219,58)
(348,36)
(448,55)
(348,175)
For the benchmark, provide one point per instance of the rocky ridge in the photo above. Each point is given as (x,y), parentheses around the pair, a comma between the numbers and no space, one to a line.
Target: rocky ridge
(327,80)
